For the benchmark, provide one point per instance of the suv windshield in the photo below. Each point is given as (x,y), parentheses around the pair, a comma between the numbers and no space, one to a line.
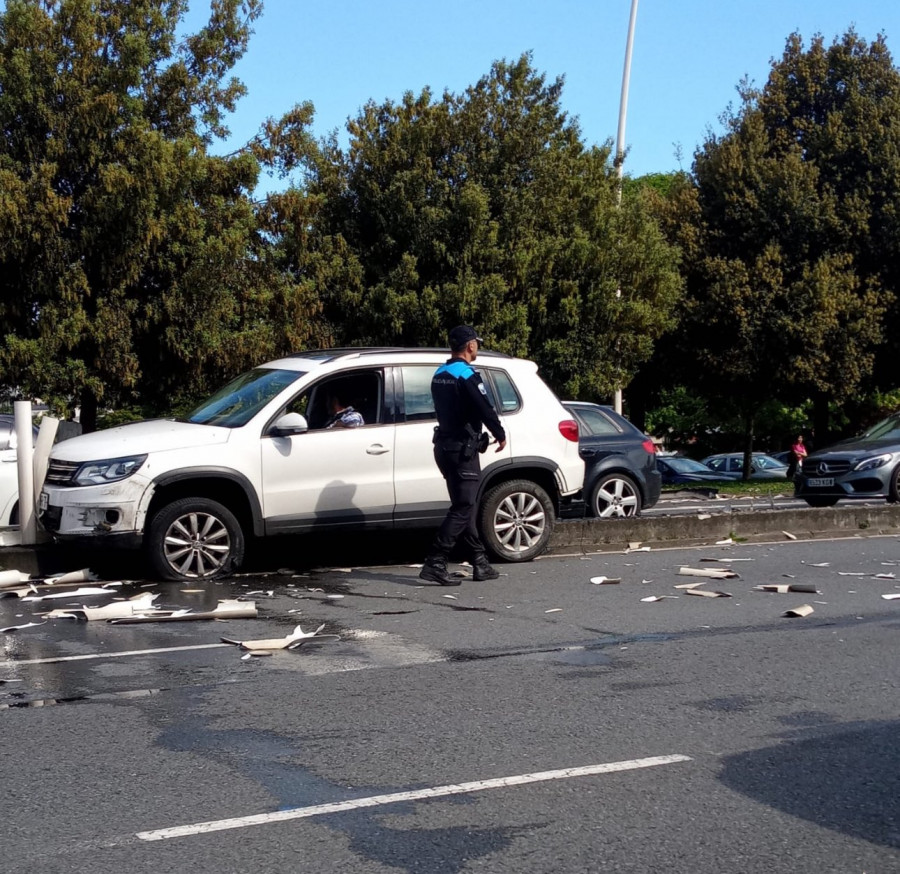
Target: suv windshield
(238,402)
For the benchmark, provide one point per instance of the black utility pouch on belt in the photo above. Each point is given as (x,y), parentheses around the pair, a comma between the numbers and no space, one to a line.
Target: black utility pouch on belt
(474,442)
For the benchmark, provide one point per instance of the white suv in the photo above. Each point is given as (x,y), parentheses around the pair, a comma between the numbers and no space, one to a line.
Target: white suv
(257,459)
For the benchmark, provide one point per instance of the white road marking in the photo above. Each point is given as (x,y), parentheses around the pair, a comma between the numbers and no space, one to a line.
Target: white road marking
(14,663)
(417,795)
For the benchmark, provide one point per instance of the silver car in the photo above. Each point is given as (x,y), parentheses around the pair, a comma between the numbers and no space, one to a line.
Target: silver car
(731,465)
(867,466)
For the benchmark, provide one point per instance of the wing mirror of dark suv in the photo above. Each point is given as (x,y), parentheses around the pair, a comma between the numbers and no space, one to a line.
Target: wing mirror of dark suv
(288,424)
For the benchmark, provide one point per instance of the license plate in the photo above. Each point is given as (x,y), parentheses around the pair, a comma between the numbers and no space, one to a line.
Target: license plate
(43,501)
(818,482)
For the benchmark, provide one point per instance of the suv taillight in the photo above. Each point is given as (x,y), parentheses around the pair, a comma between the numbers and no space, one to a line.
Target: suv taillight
(569,429)
(649,446)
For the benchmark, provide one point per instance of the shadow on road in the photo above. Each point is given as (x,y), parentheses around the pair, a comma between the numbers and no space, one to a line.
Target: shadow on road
(846,780)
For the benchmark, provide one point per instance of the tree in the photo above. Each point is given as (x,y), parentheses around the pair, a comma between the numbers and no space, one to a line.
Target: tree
(132,261)
(787,295)
(486,207)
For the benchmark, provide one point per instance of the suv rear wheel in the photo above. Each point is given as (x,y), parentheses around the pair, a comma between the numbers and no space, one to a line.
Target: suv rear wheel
(516,520)
(615,495)
(195,538)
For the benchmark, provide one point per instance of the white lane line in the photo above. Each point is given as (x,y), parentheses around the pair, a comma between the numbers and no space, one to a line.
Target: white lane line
(14,663)
(377,800)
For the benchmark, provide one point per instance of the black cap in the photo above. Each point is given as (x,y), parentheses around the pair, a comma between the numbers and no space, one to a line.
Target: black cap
(461,335)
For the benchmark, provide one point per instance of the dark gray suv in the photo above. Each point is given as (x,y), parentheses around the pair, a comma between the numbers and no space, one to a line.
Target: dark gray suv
(867,466)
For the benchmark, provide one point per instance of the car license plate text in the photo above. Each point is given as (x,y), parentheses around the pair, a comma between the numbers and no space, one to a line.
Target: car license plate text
(820,481)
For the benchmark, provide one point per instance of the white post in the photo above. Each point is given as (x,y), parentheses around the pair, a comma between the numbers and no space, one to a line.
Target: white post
(620,140)
(24,456)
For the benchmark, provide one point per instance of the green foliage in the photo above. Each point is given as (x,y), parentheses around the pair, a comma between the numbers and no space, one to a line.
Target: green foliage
(790,233)
(482,207)
(132,261)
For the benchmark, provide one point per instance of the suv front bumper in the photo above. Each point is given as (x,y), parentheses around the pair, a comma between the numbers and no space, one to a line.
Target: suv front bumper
(110,512)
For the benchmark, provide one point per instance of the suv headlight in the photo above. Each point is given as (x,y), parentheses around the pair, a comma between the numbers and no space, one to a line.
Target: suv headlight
(872,463)
(109,470)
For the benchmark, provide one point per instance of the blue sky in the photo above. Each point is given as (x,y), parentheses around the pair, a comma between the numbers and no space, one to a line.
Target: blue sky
(688,57)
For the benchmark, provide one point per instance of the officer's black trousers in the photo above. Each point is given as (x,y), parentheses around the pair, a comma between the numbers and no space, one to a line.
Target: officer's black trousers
(462,476)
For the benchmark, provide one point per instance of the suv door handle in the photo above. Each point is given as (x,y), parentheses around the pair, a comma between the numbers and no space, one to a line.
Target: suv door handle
(377,449)
(588,453)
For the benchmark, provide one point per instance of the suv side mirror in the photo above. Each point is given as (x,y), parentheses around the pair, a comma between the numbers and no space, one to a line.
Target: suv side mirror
(288,424)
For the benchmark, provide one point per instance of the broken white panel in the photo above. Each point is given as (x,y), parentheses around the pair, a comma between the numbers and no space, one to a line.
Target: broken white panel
(83,592)
(784,588)
(120,609)
(884,576)
(8,578)
(726,542)
(297,636)
(605,581)
(690,585)
(231,608)
(802,610)
(17,591)
(893,596)
(85,575)
(10,628)
(714,573)
(789,535)
(652,598)
(707,593)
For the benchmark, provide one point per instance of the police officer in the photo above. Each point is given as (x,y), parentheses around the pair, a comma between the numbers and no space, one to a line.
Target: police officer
(462,408)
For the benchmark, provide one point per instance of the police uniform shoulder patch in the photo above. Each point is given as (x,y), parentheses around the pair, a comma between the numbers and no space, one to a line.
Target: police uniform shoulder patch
(482,389)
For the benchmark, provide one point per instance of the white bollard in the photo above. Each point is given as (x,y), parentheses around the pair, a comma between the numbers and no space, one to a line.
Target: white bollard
(42,448)
(24,456)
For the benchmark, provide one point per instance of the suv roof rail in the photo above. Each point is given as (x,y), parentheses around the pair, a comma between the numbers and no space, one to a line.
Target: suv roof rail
(350,351)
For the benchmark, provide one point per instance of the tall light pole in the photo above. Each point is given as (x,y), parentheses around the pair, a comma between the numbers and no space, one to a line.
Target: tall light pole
(620,143)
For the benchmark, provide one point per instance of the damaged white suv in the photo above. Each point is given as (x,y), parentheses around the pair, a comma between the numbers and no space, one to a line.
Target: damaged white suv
(258,459)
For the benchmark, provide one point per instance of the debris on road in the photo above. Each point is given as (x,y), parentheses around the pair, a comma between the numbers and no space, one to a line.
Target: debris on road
(291,641)
(554,610)
(606,581)
(86,575)
(890,597)
(652,598)
(714,573)
(13,577)
(707,593)
(784,588)
(81,592)
(796,612)
(789,535)
(726,542)
(225,609)
(690,585)
(10,628)
(820,564)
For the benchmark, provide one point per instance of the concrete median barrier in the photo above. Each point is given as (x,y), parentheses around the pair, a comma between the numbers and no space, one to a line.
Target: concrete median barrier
(595,535)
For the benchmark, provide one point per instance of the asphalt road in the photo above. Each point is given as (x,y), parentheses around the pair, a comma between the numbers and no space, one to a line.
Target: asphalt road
(538,723)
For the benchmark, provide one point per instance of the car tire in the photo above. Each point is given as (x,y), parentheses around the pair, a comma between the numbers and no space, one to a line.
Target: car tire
(614,495)
(516,520)
(194,538)
(821,501)
(894,487)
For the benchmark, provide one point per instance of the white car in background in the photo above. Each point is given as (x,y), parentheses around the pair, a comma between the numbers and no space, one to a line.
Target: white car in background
(9,473)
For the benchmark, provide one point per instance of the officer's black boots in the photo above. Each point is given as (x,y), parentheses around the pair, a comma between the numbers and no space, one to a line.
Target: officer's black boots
(435,567)
(481,569)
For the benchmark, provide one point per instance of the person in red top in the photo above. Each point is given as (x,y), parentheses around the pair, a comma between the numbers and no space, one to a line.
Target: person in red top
(798,453)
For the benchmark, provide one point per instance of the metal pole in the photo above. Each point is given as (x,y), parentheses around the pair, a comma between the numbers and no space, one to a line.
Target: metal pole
(620,139)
